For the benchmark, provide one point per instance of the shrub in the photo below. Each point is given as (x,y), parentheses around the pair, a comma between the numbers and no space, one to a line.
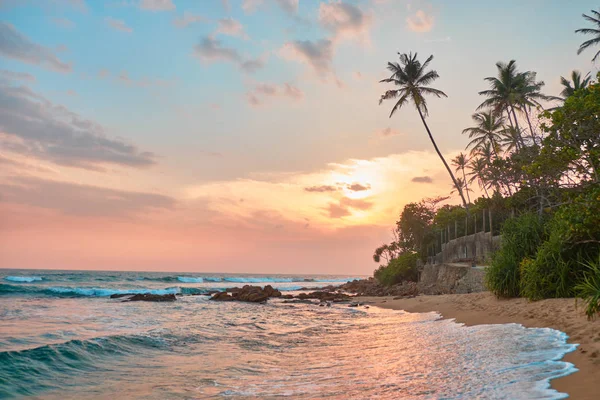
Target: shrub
(521,237)
(588,288)
(572,235)
(399,269)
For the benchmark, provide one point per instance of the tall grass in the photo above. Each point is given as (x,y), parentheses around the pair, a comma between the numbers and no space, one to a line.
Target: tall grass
(589,288)
(521,238)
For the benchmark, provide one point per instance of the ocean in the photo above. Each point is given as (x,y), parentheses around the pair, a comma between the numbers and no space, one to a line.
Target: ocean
(63,337)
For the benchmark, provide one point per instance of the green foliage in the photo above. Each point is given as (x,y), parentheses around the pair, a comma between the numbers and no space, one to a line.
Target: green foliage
(399,269)
(588,288)
(414,225)
(521,237)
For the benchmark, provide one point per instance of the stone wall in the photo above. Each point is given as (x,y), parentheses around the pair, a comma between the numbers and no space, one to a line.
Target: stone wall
(451,278)
(473,248)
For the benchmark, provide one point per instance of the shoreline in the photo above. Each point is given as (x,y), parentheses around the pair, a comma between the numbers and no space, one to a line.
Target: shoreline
(560,314)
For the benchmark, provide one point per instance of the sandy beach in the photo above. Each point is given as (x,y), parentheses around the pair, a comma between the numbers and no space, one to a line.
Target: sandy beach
(562,314)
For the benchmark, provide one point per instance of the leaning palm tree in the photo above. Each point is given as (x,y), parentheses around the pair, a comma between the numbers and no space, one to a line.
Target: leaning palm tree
(578,83)
(460,162)
(594,19)
(412,79)
(487,130)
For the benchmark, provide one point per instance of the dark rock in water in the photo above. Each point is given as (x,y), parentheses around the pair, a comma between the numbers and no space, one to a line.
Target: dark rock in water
(371,287)
(287,296)
(324,296)
(298,301)
(308,280)
(222,296)
(152,297)
(248,293)
(119,295)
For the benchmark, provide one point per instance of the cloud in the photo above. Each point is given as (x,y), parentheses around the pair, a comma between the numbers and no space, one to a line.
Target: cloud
(447,39)
(231,27)
(251,66)
(343,209)
(356,203)
(321,189)
(357,187)
(81,200)
(422,179)
(211,50)
(345,21)
(187,19)
(16,46)
(118,25)
(250,6)
(263,91)
(226,5)
(157,5)
(126,80)
(388,132)
(64,23)
(420,21)
(289,6)
(31,125)
(317,54)
(337,211)
(19,76)
(103,73)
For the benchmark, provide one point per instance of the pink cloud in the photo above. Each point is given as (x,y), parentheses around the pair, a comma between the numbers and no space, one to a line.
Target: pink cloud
(420,21)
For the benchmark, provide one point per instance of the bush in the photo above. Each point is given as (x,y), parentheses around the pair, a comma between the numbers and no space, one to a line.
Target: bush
(589,288)
(521,237)
(399,269)
(572,236)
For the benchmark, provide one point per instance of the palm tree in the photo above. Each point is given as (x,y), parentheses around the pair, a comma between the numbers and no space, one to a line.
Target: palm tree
(513,90)
(412,80)
(578,83)
(503,93)
(529,95)
(478,167)
(510,139)
(487,130)
(595,19)
(460,162)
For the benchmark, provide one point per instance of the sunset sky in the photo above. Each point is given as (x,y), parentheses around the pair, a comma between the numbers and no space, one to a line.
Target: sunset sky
(240,135)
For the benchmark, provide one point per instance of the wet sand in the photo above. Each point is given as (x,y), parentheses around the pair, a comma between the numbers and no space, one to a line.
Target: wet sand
(563,314)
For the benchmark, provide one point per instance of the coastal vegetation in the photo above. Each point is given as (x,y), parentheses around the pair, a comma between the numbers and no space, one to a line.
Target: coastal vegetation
(535,160)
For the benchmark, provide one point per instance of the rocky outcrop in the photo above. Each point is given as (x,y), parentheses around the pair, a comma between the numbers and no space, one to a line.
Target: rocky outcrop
(336,297)
(248,293)
(147,297)
(451,278)
(371,287)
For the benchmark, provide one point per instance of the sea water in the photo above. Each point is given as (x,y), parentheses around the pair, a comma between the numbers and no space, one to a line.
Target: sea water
(62,337)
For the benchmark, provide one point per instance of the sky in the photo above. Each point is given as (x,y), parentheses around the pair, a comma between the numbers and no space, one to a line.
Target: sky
(240,135)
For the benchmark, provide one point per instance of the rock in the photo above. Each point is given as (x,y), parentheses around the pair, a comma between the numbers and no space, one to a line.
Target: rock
(119,295)
(152,297)
(248,293)
(222,296)
(324,296)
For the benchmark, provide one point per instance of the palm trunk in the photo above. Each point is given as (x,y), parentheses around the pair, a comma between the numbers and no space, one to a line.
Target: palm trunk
(443,160)
(465,181)
(533,137)
(513,126)
(491,138)
(517,126)
(484,188)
